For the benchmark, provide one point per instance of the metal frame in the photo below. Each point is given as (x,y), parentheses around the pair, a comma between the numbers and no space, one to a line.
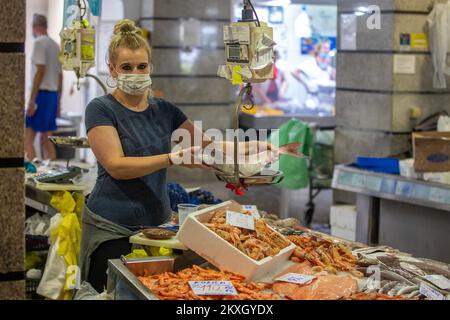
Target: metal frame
(390,196)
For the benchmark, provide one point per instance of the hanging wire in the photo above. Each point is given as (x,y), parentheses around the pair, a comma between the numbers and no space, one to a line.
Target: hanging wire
(254,11)
(248,96)
(83,8)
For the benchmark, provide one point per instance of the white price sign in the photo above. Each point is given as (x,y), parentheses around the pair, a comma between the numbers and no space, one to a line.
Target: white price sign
(439,281)
(431,293)
(213,288)
(253,210)
(240,220)
(296,278)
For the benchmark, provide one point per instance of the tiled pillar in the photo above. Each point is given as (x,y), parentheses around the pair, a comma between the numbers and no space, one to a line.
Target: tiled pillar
(373,103)
(12,210)
(189,79)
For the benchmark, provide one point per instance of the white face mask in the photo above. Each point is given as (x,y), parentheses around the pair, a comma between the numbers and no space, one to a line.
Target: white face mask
(134,84)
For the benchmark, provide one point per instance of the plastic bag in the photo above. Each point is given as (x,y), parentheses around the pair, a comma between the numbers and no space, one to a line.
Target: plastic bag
(54,277)
(295,170)
(62,273)
(37,225)
(87,292)
(158,251)
(137,253)
(438,23)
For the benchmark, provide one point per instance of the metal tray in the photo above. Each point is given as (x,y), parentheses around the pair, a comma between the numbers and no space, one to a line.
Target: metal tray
(123,283)
(72,142)
(273,178)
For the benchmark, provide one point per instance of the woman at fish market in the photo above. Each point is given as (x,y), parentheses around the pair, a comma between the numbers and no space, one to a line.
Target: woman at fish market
(129,131)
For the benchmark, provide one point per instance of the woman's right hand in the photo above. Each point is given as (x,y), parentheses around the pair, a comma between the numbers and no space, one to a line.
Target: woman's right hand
(31,109)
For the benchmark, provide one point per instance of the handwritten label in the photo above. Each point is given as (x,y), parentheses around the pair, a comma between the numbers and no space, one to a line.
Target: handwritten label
(253,210)
(439,281)
(296,278)
(213,288)
(431,293)
(240,220)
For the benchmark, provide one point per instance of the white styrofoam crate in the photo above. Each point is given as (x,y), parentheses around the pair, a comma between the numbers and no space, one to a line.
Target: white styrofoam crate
(197,237)
(343,216)
(343,233)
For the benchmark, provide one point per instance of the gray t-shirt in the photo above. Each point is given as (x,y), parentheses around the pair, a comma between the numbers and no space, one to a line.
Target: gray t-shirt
(141,202)
(45,52)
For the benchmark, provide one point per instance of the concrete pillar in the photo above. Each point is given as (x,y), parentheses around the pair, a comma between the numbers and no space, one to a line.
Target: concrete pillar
(188,77)
(373,103)
(12,209)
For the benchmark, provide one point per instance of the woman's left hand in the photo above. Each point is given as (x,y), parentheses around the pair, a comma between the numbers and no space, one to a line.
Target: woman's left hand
(189,158)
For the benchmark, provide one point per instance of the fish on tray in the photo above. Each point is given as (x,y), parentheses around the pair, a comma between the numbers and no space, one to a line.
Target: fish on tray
(255,163)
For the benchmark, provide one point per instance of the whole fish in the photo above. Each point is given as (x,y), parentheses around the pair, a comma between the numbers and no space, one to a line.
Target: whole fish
(256,163)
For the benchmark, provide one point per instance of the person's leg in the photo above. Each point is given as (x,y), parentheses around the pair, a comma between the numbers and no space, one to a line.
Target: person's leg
(112,249)
(30,135)
(48,146)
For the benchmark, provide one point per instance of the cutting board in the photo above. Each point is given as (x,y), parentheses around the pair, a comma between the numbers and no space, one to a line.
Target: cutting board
(172,243)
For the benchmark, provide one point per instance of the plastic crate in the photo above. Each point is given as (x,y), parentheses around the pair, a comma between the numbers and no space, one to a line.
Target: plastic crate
(35,243)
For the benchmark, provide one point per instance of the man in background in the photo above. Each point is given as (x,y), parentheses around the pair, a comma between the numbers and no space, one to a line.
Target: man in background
(45,97)
(317,70)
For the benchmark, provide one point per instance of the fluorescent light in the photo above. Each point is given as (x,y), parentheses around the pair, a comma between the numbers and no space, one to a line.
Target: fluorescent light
(275,3)
(360,11)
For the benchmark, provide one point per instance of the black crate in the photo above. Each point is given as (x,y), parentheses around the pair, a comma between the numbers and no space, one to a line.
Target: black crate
(36,243)
(31,285)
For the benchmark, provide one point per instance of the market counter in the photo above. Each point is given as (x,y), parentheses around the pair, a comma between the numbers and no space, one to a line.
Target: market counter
(123,283)
(38,199)
(408,214)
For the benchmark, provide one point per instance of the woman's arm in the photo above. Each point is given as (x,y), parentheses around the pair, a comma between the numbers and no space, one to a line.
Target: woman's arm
(105,143)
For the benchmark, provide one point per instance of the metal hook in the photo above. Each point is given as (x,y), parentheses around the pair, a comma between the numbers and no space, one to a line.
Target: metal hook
(431,6)
(248,96)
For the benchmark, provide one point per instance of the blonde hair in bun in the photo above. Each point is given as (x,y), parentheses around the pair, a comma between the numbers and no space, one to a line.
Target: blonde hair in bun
(127,35)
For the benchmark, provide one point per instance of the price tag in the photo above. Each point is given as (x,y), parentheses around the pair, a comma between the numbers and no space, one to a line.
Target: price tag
(213,288)
(439,281)
(431,293)
(296,278)
(253,210)
(240,220)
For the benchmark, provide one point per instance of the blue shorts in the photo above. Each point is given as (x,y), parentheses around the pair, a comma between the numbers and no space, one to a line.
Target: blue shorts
(44,119)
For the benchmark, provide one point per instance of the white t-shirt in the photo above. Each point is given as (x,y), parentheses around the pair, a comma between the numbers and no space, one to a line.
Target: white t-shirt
(45,51)
(316,76)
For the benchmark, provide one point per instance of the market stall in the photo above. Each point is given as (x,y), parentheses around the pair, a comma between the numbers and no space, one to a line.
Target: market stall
(391,208)
(248,257)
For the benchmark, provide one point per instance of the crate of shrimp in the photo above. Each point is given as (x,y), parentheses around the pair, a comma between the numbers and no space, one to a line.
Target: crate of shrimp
(233,239)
